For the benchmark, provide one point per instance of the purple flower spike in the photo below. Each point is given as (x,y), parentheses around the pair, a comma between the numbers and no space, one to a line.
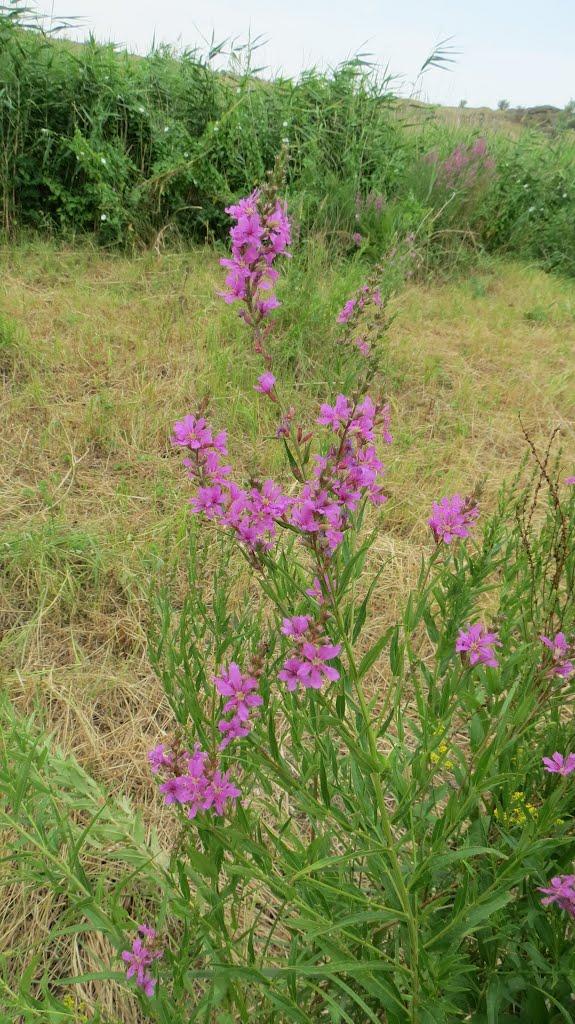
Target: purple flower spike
(561,653)
(452,517)
(141,956)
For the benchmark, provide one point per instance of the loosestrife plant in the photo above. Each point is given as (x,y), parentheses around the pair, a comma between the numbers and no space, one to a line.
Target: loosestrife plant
(262,232)
(465,166)
(364,821)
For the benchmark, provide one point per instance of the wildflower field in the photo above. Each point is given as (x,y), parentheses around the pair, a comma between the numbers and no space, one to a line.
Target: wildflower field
(287,567)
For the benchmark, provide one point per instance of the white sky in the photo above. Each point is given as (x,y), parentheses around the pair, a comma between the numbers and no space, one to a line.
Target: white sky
(520,50)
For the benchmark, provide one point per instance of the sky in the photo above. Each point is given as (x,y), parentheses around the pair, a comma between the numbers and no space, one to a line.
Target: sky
(519,50)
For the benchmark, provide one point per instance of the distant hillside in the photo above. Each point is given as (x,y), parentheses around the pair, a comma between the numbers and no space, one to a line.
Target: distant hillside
(547,118)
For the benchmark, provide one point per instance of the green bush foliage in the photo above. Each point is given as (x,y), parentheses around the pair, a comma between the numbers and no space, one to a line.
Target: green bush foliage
(147,150)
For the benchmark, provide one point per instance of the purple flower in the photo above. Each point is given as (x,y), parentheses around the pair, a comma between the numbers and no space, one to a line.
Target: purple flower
(362,345)
(158,758)
(314,671)
(239,688)
(357,238)
(308,666)
(367,416)
(315,591)
(570,480)
(562,892)
(233,683)
(334,415)
(265,384)
(561,652)
(234,729)
(560,765)
(452,517)
(284,425)
(204,462)
(314,511)
(261,233)
(184,789)
(209,500)
(195,780)
(478,645)
(251,514)
(192,432)
(348,472)
(465,166)
(296,626)
(346,313)
(140,957)
(289,673)
(365,295)
(265,306)
(196,792)
(218,791)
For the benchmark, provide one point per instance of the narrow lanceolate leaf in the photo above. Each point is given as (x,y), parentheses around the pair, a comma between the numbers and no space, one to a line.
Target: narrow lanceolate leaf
(471,918)
(372,655)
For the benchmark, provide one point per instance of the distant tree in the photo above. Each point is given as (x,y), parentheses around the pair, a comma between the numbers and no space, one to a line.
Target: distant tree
(503,105)
(463,103)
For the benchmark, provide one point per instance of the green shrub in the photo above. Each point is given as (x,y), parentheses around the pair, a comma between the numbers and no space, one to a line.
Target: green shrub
(138,150)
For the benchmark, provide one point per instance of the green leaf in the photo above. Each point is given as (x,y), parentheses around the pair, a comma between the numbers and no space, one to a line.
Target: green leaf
(396,653)
(372,655)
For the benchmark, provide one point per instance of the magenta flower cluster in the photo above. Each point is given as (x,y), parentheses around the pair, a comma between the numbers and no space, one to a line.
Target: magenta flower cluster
(261,233)
(251,513)
(367,296)
(350,471)
(465,166)
(562,888)
(194,780)
(140,957)
(478,645)
(562,655)
(452,517)
(242,697)
(307,665)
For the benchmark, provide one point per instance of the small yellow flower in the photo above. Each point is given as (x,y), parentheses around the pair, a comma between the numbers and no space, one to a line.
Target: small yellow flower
(438,756)
(81,1010)
(519,811)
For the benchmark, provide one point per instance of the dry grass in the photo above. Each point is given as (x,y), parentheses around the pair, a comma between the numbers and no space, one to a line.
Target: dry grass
(110,351)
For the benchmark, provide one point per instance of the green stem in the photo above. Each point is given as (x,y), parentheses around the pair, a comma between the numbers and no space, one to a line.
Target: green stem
(396,872)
